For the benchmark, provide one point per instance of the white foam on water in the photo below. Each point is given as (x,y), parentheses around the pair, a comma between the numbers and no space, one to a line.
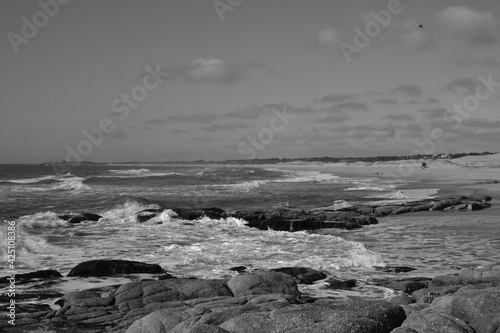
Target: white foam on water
(307,176)
(131,171)
(66,183)
(138,173)
(125,213)
(363,186)
(246,186)
(401,196)
(42,220)
(31,180)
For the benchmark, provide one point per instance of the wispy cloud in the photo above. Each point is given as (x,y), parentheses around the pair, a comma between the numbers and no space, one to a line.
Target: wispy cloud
(213,71)
(155,121)
(401,117)
(411,90)
(329,37)
(203,117)
(335,98)
(335,118)
(473,27)
(470,60)
(254,111)
(466,86)
(434,113)
(387,101)
(224,127)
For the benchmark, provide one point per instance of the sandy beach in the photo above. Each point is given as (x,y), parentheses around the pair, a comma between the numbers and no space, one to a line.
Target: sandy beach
(464,176)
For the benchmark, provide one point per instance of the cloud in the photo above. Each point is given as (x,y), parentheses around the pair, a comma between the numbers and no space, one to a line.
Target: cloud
(401,117)
(480,123)
(224,127)
(411,90)
(432,100)
(413,37)
(466,86)
(470,60)
(329,37)
(335,98)
(155,121)
(474,27)
(213,71)
(387,101)
(434,113)
(116,134)
(254,111)
(350,105)
(202,117)
(335,118)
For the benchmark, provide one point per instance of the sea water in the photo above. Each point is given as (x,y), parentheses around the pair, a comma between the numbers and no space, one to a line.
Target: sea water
(33,196)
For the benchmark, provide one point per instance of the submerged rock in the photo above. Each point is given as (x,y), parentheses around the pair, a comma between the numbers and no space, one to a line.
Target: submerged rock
(341,284)
(302,275)
(113,267)
(82,218)
(26,277)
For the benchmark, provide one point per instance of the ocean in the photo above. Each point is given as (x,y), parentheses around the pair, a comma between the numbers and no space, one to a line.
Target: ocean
(34,195)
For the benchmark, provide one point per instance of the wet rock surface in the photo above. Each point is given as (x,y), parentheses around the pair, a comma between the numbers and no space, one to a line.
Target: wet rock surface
(293,219)
(269,301)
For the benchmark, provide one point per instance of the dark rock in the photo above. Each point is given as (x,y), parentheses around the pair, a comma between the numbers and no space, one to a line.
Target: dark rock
(428,295)
(473,206)
(366,210)
(215,213)
(341,284)
(263,283)
(302,275)
(403,299)
(166,276)
(445,203)
(113,267)
(424,207)
(480,308)
(64,217)
(340,317)
(352,225)
(403,210)
(395,269)
(187,214)
(286,213)
(479,197)
(385,210)
(239,269)
(428,320)
(26,277)
(148,214)
(84,217)
(407,286)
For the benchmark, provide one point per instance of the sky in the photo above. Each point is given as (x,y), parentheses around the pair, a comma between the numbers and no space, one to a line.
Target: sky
(169,80)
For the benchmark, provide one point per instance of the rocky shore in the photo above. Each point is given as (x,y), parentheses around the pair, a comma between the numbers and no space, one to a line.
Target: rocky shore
(262,301)
(289,219)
